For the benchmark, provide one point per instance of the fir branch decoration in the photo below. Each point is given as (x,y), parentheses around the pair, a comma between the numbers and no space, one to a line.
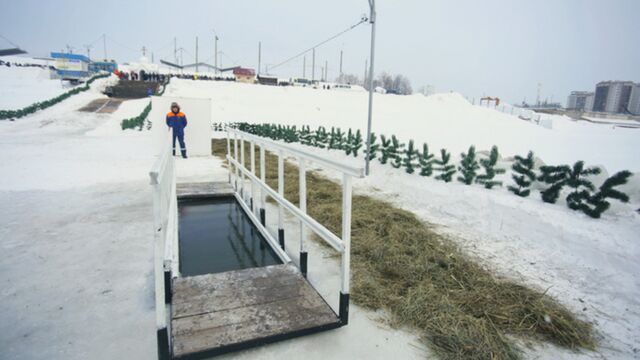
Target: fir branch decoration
(523,176)
(468,166)
(490,170)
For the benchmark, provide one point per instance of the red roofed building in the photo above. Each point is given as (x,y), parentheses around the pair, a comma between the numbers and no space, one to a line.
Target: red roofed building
(245,75)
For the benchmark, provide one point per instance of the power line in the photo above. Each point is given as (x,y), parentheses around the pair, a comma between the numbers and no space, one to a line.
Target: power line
(362,21)
(10,42)
(123,46)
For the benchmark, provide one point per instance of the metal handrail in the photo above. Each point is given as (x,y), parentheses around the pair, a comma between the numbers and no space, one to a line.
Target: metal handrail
(356,172)
(239,173)
(166,252)
(318,228)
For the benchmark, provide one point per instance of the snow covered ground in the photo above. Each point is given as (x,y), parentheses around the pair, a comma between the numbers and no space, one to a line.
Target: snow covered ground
(590,265)
(75,221)
(442,120)
(22,86)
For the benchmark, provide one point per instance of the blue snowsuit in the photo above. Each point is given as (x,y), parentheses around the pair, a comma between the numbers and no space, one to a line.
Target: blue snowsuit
(177,122)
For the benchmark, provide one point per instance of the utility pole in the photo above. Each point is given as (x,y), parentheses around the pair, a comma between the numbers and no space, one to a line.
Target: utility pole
(538,97)
(326,70)
(313,65)
(88,47)
(372,20)
(340,65)
(104,44)
(259,55)
(304,67)
(215,56)
(144,51)
(196,54)
(152,60)
(175,50)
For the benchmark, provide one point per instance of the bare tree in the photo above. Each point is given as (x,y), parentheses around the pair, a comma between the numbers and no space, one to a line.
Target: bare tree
(398,84)
(348,79)
(402,85)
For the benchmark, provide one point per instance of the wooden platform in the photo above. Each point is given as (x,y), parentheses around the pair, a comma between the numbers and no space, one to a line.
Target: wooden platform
(102,106)
(216,313)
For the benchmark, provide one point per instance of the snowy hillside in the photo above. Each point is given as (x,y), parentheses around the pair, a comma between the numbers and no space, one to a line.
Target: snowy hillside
(443,120)
(22,86)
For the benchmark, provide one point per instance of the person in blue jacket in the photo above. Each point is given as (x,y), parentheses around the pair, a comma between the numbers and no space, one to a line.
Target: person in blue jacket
(177,121)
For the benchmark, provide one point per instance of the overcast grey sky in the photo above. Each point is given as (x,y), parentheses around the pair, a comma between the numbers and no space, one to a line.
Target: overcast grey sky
(494,47)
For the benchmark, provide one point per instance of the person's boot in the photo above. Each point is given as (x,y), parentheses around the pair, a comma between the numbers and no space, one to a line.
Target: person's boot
(174,151)
(184,153)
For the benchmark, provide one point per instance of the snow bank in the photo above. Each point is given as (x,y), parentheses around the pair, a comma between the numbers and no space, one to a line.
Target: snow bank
(23,86)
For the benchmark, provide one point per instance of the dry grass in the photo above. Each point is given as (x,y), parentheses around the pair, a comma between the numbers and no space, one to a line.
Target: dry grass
(402,265)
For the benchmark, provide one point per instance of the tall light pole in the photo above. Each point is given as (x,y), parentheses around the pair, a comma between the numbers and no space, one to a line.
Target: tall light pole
(372,21)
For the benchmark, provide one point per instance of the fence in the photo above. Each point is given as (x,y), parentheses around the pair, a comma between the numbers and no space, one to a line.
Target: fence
(240,175)
(543,120)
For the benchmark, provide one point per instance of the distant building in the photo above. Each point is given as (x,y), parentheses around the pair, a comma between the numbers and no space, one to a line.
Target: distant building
(634,100)
(244,75)
(580,100)
(108,66)
(71,66)
(267,80)
(613,96)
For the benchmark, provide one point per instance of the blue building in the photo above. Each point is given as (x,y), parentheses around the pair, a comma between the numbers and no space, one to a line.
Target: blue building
(71,66)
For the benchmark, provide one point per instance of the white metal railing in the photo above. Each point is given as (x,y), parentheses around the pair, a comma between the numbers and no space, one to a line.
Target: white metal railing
(543,120)
(165,222)
(239,174)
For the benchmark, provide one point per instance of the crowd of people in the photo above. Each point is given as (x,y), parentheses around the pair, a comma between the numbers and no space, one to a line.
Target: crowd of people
(10,64)
(141,76)
(158,77)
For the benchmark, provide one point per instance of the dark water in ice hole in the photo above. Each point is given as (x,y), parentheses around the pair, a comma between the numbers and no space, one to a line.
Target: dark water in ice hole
(216,235)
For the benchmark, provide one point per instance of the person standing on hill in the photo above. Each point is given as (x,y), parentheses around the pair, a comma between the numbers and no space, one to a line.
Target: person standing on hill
(177,121)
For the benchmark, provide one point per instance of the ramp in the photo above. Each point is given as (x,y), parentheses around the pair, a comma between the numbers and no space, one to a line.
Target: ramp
(102,106)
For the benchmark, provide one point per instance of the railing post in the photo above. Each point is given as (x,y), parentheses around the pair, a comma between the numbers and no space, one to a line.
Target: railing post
(242,164)
(346,251)
(229,152)
(281,193)
(235,157)
(253,172)
(303,208)
(263,215)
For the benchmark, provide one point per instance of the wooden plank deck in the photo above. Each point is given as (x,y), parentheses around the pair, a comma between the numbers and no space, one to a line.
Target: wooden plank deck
(102,106)
(217,313)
